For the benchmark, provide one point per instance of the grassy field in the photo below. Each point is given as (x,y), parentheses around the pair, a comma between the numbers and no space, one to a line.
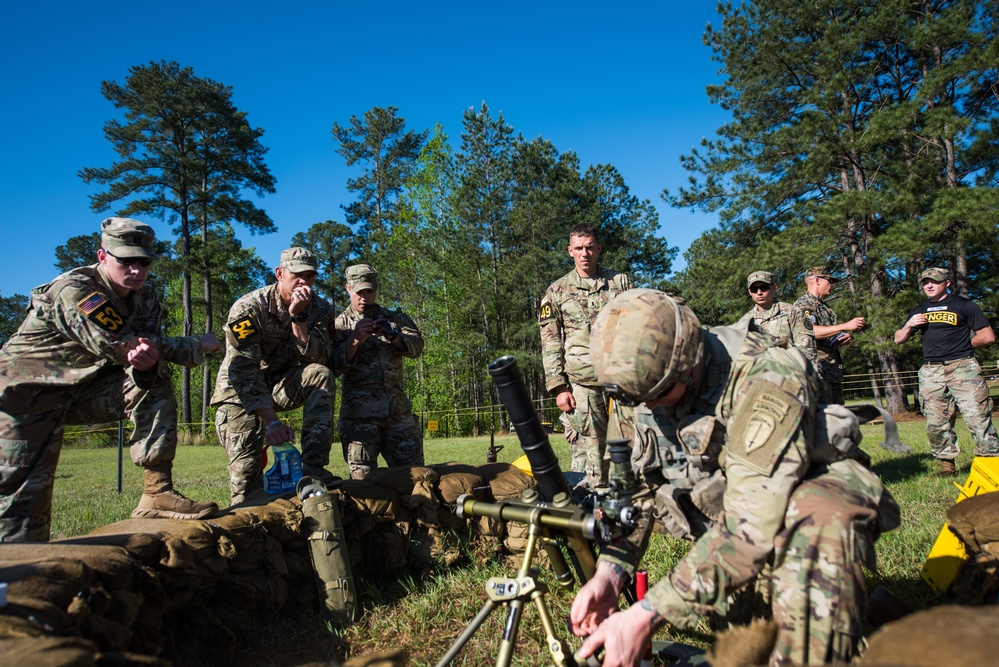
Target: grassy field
(426,616)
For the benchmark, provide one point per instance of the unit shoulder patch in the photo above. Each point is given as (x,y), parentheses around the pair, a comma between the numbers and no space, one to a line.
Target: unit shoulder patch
(765,418)
(243,331)
(546,313)
(97,309)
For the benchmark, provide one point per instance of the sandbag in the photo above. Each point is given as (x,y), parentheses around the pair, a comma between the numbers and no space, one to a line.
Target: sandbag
(506,481)
(944,636)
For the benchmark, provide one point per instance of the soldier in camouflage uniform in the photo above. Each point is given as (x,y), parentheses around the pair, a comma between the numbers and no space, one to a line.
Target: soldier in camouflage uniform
(277,345)
(781,320)
(952,328)
(830,336)
(567,309)
(89,351)
(376,416)
(789,487)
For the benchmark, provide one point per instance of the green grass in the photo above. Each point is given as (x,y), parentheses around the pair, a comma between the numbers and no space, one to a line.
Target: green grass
(426,616)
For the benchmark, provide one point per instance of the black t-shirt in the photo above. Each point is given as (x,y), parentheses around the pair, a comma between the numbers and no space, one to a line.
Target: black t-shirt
(950,324)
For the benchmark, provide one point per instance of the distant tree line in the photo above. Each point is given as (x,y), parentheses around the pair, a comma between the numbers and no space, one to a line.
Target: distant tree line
(862,136)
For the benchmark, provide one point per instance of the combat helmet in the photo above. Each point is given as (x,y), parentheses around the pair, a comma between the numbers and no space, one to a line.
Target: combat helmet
(643,341)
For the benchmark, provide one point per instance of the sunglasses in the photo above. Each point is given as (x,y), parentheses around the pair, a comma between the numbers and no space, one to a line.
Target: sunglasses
(130,261)
(759,288)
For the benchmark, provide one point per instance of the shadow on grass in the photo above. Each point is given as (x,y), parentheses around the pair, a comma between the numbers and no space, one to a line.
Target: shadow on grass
(899,469)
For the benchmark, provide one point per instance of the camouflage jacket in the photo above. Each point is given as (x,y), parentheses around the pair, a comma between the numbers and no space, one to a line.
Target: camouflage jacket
(259,347)
(76,327)
(819,313)
(372,385)
(748,425)
(787,324)
(567,310)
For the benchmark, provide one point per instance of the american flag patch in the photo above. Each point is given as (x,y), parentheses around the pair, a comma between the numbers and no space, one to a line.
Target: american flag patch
(91,303)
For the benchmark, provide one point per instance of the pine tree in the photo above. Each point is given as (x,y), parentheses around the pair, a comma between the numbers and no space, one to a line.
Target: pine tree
(188,155)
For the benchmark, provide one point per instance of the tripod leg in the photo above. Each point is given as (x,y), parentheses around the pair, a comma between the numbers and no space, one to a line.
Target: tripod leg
(557,647)
(470,629)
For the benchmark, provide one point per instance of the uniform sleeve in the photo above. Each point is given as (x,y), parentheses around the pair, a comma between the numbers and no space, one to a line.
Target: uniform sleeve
(318,348)
(766,459)
(552,344)
(339,333)
(976,318)
(410,335)
(801,333)
(243,356)
(86,317)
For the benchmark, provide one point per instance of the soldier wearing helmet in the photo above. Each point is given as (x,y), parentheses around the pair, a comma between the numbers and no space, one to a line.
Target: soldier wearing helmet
(793,489)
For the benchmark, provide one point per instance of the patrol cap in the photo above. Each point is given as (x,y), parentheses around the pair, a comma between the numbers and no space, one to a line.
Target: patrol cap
(821,272)
(124,237)
(361,276)
(298,260)
(936,274)
(760,277)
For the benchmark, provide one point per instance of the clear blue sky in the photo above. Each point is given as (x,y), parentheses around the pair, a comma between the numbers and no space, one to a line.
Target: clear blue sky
(617,83)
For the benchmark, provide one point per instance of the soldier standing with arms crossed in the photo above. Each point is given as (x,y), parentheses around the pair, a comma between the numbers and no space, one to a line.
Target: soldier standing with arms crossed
(567,310)
(830,336)
(277,345)
(89,351)
(376,415)
(952,328)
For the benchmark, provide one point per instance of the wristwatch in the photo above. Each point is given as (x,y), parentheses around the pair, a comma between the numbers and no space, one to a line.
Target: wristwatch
(301,317)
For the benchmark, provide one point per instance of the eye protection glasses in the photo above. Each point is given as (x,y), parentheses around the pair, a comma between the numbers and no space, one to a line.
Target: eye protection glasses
(130,261)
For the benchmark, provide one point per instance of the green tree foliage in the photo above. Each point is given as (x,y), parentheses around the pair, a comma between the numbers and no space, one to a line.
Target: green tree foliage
(479,235)
(78,251)
(335,247)
(381,143)
(860,138)
(12,312)
(187,155)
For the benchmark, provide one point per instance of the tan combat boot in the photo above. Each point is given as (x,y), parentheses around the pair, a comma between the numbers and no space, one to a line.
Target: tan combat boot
(160,501)
(947,468)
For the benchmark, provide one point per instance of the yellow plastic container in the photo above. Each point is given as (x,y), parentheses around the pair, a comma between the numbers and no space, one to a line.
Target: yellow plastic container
(948,552)
(524,465)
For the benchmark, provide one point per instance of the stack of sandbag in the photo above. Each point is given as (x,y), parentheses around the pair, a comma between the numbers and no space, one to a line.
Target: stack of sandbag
(975,521)
(80,604)
(155,587)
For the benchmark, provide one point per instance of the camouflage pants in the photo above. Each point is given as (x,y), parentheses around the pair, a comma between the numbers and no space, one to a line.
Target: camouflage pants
(242,433)
(31,435)
(819,595)
(586,432)
(398,439)
(832,383)
(958,383)
(813,586)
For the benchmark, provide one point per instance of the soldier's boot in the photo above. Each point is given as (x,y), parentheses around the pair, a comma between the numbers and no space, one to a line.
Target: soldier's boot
(947,468)
(161,501)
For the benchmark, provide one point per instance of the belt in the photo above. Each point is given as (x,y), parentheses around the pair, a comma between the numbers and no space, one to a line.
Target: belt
(949,361)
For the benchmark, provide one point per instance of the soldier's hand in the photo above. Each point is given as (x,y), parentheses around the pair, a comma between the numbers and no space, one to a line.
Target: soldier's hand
(278,433)
(301,296)
(210,343)
(143,355)
(917,320)
(856,324)
(596,601)
(624,636)
(364,329)
(566,401)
